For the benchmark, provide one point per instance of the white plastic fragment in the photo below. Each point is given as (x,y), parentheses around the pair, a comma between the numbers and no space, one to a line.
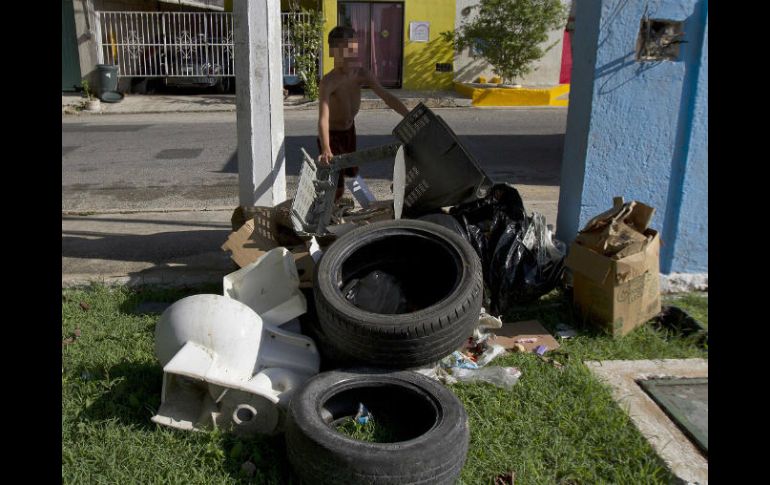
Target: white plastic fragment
(269,286)
(315,250)
(437,373)
(488,321)
(490,354)
(565,331)
(504,377)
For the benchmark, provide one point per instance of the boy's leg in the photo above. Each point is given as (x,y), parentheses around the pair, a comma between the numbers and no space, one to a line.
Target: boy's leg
(340,187)
(344,142)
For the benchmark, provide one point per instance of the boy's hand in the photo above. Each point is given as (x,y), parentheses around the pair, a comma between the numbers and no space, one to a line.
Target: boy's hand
(325,158)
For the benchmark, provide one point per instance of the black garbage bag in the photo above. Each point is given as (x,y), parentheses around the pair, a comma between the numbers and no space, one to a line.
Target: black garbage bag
(525,265)
(676,321)
(520,259)
(377,292)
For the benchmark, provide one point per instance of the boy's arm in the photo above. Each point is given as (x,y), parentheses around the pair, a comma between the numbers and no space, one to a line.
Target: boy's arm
(323,123)
(383,93)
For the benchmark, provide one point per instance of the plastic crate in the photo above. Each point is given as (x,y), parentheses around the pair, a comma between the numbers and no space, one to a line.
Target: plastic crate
(314,200)
(439,170)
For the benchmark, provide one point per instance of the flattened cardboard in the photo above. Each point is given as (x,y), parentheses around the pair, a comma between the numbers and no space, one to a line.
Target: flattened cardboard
(509,333)
(256,237)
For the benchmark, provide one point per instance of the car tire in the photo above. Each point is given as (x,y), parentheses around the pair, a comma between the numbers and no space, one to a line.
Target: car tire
(429,430)
(440,275)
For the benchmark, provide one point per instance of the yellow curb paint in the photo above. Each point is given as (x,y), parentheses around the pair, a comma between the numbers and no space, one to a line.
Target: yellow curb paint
(514,96)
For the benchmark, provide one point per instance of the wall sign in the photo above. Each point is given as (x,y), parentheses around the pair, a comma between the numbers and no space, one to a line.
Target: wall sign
(419,31)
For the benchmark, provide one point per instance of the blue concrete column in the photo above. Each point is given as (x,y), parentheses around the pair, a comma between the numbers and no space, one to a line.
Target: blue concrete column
(638,129)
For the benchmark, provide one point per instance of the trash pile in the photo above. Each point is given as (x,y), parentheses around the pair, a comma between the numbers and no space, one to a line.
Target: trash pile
(396,285)
(469,364)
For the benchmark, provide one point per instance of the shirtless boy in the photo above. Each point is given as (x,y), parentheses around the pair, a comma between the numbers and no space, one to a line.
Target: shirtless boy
(340,99)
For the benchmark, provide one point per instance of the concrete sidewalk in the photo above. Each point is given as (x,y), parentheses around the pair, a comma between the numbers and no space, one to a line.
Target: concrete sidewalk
(167,248)
(176,248)
(167,103)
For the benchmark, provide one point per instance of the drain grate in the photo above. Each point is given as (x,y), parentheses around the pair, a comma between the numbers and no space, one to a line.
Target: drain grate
(686,402)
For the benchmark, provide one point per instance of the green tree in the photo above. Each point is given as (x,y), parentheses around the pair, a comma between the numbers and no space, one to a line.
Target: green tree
(307,36)
(509,33)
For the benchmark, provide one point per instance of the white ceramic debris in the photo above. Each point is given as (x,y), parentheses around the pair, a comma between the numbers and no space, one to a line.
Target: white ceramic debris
(269,286)
(224,366)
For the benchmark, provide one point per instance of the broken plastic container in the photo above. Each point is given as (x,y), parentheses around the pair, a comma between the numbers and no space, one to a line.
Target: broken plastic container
(504,377)
(433,169)
(269,286)
(313,203)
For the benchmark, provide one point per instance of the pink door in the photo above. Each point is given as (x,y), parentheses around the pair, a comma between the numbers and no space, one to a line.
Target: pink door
(379,27)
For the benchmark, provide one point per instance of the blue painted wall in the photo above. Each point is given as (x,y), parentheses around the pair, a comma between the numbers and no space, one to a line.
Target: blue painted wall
(639,129)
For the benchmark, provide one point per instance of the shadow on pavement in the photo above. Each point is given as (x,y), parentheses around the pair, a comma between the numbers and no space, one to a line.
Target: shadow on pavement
(524,159)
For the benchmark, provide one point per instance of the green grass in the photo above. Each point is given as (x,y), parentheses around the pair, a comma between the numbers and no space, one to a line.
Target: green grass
(370,431)
(554,426)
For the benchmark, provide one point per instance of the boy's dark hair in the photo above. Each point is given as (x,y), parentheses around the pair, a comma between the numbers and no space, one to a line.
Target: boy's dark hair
(339,34)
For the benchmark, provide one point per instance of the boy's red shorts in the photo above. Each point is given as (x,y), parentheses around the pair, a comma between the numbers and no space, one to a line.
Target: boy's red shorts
(340,142)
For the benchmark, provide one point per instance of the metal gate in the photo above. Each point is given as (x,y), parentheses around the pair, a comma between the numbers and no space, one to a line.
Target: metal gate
(290,46)
(178,44)
(167,44)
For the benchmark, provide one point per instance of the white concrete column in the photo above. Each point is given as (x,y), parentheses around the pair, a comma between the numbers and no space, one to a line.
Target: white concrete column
(259,98)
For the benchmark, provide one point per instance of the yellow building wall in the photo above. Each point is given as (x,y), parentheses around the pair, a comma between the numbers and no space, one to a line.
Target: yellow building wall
(420,58)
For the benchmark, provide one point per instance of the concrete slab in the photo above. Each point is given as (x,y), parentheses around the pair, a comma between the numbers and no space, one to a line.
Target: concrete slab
(166,248)
(680,455)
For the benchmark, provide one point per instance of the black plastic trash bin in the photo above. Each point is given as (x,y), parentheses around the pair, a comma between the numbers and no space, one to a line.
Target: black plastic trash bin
(108,78)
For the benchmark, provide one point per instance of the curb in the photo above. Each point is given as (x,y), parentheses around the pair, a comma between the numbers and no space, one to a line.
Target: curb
(487,96)
(166,279)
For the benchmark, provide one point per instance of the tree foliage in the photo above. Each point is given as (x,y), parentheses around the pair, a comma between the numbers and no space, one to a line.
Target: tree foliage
(509,33)
(307,36)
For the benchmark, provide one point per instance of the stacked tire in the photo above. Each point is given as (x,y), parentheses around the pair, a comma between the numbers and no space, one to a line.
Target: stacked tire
(430,442)
(441,280)
(441,274)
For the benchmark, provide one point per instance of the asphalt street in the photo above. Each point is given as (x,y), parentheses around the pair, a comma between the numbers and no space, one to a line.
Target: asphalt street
(188,161)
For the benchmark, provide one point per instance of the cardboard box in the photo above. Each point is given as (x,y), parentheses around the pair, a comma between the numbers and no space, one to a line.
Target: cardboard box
(258,236)
(617,294)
